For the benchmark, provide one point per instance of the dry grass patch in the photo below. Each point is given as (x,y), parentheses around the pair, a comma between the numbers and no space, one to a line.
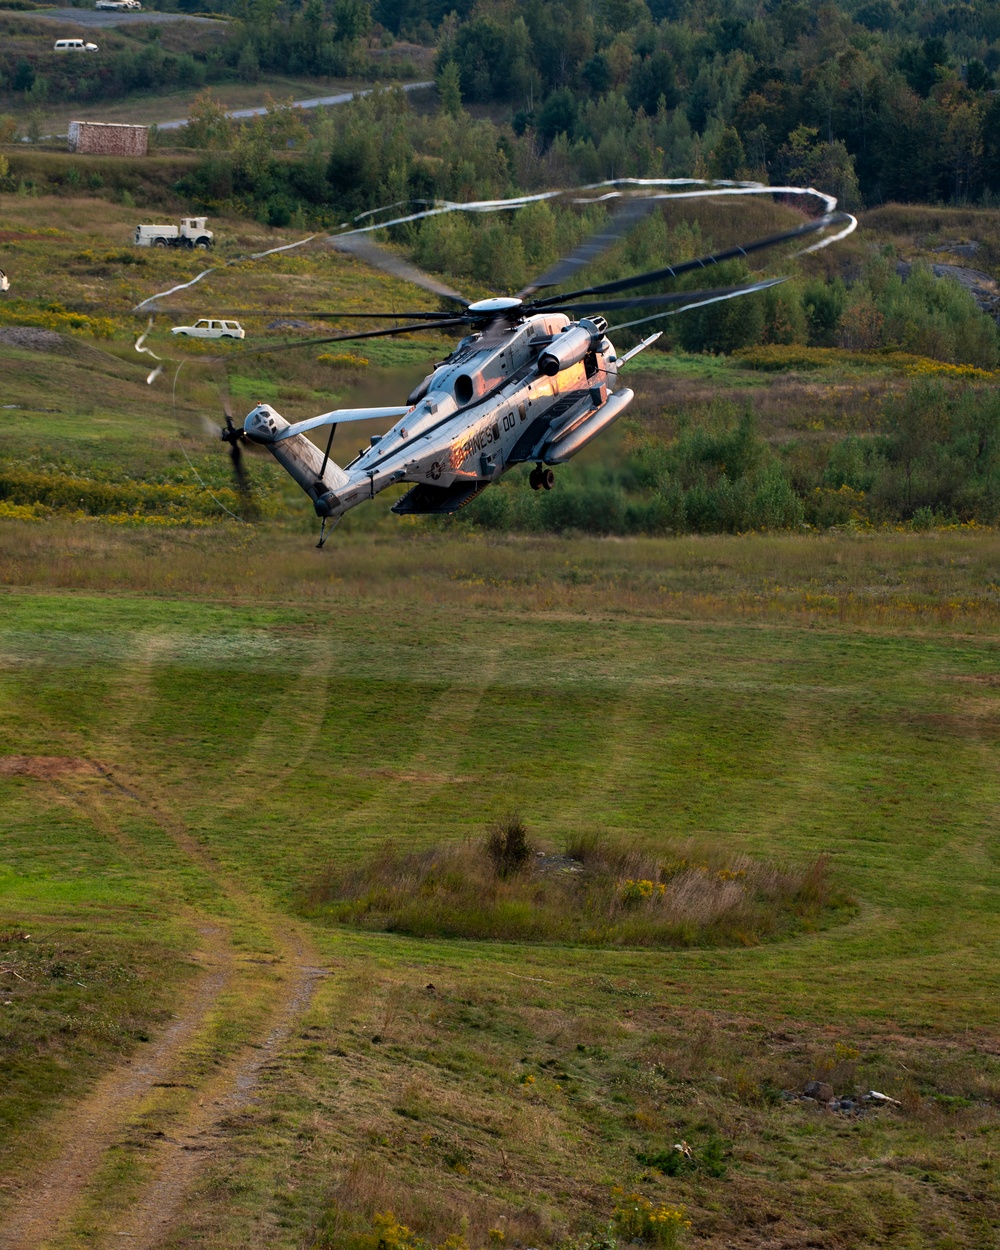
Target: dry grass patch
(599,892)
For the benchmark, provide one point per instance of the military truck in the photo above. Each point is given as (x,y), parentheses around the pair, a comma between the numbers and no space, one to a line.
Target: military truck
(190,233)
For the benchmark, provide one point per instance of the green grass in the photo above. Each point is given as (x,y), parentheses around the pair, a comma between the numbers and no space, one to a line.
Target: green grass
(280,711)
(720,371)
(299,708)
(74,990)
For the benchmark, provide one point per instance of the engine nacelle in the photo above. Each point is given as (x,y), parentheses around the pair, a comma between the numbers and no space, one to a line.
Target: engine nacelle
(566,349)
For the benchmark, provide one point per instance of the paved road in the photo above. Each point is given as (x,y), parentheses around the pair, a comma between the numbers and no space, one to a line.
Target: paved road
(95,17)
(313,103)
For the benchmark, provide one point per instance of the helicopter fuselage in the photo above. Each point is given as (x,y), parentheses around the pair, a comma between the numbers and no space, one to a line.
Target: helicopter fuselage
(538,389)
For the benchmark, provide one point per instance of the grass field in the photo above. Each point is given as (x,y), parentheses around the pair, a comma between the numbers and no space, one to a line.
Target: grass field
(203,722)
(253,711)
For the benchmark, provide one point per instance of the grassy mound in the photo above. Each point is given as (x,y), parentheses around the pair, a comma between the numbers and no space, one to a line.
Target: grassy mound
(600,892)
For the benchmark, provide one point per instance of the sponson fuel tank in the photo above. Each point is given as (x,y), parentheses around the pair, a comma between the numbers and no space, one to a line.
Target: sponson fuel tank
(572,442)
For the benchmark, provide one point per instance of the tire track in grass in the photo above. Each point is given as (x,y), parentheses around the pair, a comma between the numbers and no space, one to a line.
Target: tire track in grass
(289,733)
(180,1157)
(63,1204)
(624,734)
(172,1161)
(47,1200)
(434,762)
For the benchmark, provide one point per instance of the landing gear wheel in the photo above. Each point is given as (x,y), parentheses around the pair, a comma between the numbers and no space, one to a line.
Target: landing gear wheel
(535,479)
(547,478)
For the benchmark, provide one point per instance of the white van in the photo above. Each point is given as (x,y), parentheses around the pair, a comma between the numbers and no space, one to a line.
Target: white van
(74,45)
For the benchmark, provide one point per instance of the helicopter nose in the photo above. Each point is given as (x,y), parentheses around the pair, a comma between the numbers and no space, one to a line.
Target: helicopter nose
(263,424)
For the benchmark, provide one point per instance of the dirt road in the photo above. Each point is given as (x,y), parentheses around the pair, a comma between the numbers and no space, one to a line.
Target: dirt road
(161,1103)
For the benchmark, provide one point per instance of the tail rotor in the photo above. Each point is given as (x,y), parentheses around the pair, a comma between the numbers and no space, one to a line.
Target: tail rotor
(232,435)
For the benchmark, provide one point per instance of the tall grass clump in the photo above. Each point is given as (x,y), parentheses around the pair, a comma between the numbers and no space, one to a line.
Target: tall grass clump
(600,892)
(507,846)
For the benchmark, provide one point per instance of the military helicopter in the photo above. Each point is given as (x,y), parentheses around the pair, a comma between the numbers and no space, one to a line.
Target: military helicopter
(534,379)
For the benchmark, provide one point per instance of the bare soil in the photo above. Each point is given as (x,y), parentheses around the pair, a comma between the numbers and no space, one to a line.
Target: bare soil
(45,767)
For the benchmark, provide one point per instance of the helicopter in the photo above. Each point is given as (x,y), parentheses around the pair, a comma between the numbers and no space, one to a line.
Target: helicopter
(533,379)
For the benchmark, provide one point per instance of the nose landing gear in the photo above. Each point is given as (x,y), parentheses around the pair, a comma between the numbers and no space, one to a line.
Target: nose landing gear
(541,478)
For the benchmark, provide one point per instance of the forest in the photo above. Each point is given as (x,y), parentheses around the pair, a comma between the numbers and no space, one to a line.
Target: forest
(877,102)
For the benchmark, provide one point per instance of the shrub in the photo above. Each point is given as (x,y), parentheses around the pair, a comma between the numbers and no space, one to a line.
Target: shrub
(507,845)
(924,315)
(600,892)
(725,326)
(823,303)
(129,500)
(730,478)
(636,1218)
(54,317)
(343,360)
(826,507)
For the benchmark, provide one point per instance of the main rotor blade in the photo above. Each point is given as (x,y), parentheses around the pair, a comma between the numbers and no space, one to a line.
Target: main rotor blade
(366,249)
(701,262)
(676,312)
(316,316)
(652,301)
(347,338)
(591,248)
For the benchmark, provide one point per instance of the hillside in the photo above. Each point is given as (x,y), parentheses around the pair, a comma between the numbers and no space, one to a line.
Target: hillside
(604,866)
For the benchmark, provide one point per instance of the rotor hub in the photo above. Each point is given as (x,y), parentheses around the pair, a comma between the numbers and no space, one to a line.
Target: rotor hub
(498,304)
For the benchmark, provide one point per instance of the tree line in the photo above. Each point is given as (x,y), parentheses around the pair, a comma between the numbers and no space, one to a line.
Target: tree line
(893,101)
(935,460)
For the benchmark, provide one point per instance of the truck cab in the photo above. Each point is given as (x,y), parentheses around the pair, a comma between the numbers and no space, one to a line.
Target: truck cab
(195,232)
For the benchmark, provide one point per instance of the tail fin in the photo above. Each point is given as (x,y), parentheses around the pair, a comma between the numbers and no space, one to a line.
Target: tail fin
(316,473)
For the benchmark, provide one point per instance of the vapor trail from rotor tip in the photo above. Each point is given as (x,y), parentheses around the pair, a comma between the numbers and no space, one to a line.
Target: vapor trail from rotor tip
(697,188)
(716,299)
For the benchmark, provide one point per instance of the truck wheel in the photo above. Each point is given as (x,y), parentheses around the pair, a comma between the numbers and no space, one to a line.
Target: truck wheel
(203,242)
(159,243)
